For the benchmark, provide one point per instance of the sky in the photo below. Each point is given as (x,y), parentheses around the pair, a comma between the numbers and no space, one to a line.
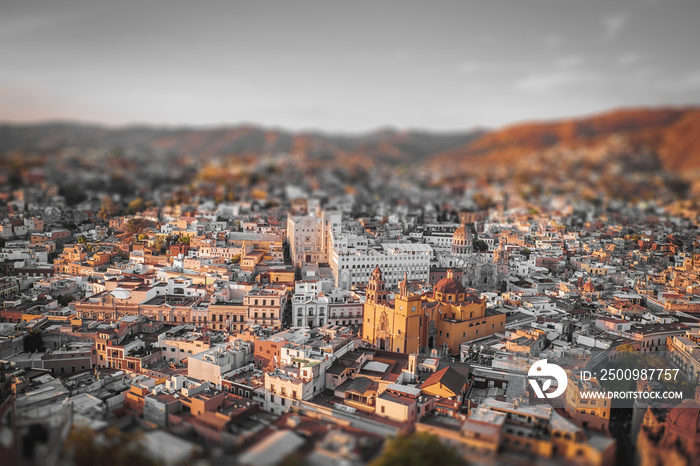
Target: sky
(343,66)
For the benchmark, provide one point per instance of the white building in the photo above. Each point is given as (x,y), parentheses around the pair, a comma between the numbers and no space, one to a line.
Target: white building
(353,259)
(211,365)
(309,305)
(181,342)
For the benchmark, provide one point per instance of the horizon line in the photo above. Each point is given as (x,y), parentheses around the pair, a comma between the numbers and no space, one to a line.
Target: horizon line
(384,128)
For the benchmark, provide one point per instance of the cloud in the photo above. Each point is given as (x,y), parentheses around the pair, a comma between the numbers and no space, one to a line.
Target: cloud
(552,40)
(628,59)
(569,61)
(613,25)
(554,80)
(469,67)
(402,54)
(689,82)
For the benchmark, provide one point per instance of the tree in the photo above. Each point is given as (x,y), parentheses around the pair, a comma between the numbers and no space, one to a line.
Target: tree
(136,226)
(417,450)
(73,193)
(526,253)
(287,252)
(480,245)
(135,206)
(113,448)
(184,239)
(65,299)
(33,341)
(120,185)
(108,209)
(159,243)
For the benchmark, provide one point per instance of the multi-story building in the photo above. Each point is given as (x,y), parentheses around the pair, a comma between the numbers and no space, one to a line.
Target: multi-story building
(353,259)
(265,305)
(214,363)
(309,305)
(301,373)
(311,236)
(9,288)
(345,312)
(73,357)
(286,386)
(498,430)
(132,354)
(589,413)
(181,342)
(439,235)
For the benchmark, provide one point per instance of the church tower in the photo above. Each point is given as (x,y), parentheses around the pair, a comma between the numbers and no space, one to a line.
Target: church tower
(500,258)
(407,319)
(376,288)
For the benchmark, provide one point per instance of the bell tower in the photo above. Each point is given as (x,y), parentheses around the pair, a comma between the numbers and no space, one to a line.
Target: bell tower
(376,288)
(407,319)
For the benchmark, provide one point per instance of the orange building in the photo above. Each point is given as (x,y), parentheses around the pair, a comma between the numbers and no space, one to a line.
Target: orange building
(411,323)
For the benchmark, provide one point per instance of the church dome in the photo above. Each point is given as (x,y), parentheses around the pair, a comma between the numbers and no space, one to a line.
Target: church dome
(461,233)
(462,241)
(589,287)
(449,286)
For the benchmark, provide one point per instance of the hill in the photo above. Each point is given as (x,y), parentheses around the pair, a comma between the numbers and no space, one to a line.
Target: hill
(669,134)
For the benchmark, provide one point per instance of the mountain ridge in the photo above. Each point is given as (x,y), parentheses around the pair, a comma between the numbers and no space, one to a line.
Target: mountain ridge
(672,133)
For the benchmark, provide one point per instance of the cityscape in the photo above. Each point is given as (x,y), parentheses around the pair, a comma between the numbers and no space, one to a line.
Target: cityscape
(181,286)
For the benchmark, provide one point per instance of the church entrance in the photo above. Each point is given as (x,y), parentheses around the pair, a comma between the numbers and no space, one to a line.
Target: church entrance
(308,258)
(382,345)
(431,342)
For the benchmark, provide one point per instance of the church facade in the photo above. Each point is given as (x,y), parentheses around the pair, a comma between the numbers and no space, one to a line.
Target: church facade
(411,323)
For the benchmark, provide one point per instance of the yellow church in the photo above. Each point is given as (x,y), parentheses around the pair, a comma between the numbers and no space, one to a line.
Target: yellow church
(412,323)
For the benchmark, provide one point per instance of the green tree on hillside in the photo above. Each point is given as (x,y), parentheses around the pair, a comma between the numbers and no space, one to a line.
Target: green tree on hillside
(135,206)
(417,449)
